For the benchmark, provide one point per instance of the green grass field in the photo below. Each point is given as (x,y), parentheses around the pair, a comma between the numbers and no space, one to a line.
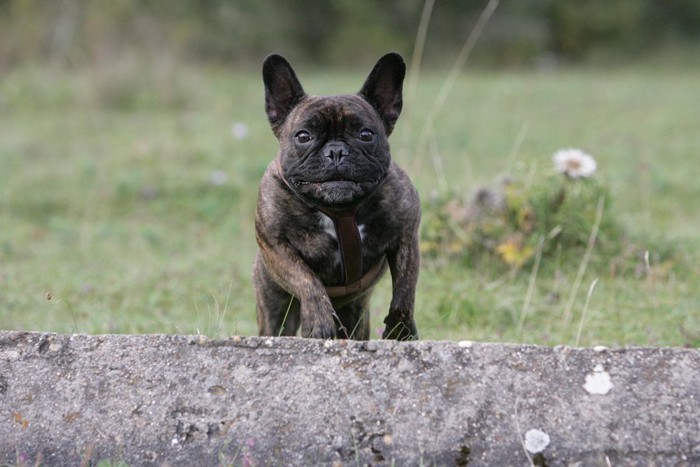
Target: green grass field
(126,200)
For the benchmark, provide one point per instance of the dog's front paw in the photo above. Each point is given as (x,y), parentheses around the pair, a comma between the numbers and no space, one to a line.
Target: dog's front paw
(400,329)
(320,325)
(319,331)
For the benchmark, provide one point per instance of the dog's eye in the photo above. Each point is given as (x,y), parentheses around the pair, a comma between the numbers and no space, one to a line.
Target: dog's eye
(303,137)
(366,135)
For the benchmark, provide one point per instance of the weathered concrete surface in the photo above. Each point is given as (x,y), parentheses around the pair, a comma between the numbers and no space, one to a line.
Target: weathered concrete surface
(174,400)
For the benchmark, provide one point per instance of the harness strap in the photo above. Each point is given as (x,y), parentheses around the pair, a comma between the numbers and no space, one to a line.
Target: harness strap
(361,285)
(350,245)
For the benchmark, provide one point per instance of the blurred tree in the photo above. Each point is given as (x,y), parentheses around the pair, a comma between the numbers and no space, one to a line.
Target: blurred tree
(78,32)
(577,27)
(678,18)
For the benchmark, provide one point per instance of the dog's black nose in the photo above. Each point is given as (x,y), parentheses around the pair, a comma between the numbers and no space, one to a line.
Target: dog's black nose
(336,151)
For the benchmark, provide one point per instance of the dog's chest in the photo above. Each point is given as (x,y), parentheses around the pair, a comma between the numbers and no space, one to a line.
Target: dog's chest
(328,226)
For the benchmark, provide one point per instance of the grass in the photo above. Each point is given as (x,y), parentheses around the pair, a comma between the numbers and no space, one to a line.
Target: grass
(108,200)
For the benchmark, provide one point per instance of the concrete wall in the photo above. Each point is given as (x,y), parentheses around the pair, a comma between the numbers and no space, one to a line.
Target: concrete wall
(183,400)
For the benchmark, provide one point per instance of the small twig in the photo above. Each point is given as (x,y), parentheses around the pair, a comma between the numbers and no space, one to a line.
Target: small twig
(437,164)
(49,297)
(364,314)
(463,56)
(586,258)
(416,59)
(531,284)
(585,310)
(520,433)
(222,313)
(418,47)
(515,148)
(341,327)
(284,320)
(452,76)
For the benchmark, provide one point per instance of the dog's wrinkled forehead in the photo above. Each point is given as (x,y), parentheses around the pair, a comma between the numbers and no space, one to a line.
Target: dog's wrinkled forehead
(334,113)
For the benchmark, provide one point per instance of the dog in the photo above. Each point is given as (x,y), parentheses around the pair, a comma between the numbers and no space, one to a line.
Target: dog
(334,212)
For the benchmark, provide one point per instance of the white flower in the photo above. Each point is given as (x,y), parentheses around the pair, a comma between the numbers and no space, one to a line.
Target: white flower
(240,130)
(574,163)
(218,178)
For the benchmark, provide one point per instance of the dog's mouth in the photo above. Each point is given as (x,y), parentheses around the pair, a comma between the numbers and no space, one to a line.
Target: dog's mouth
(335,181)
(336,191)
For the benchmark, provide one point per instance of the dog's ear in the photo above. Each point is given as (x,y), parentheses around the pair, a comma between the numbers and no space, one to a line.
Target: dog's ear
(282,89)
(382,89)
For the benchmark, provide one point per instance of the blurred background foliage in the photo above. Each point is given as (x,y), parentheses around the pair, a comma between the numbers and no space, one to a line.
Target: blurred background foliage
(133,139)
(239,32)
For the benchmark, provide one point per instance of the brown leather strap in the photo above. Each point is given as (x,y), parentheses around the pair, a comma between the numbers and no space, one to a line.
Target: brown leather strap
(350,245)
(361,285)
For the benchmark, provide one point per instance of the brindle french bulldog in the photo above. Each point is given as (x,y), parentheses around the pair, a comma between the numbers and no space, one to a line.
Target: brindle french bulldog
(334,211)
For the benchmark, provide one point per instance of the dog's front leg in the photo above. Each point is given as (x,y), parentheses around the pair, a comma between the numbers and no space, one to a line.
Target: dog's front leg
(404,264)
(291,273)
